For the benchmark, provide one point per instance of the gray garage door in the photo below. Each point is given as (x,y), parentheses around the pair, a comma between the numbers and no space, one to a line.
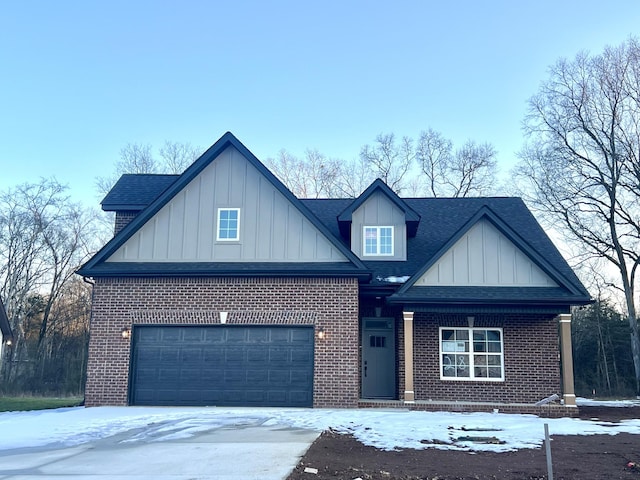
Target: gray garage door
(222,365)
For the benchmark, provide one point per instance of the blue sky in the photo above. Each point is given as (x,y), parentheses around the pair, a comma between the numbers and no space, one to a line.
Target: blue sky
(81,79)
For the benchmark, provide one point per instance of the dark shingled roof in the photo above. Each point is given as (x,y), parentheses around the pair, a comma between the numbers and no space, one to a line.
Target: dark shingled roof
(440,222)
(133,192)
(132,195)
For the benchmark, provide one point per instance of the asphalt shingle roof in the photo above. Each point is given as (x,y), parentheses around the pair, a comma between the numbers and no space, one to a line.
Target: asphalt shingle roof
(440,221)
(136,191)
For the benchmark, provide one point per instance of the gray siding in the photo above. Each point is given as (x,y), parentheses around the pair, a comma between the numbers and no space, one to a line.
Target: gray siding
(271,228)
(379,211)
(485,257)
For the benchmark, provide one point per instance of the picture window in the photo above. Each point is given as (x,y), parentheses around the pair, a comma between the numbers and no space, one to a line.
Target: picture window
(471,354)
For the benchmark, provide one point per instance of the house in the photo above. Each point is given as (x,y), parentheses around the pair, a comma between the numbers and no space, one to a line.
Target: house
(6,337)
(220,287)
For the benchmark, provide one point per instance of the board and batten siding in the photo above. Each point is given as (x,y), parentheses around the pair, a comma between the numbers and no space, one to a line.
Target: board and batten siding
(272,229)
(379,211)
(484,256)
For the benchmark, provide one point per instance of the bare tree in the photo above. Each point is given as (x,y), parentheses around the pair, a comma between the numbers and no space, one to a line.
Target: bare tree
(434,153)
(176,156)
(390,161)
(313,176)
(581,168)
(354,177)
(43,239)
(469,171)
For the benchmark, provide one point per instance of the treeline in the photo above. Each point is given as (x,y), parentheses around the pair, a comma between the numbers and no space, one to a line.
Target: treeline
(44,238)
(602,352)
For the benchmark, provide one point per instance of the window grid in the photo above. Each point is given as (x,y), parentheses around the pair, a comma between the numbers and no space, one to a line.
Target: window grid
(378,241)
(228,224)
(471,354)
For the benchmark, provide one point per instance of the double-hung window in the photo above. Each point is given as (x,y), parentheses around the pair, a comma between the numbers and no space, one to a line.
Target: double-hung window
(471,354)
(378,241)
(228,224)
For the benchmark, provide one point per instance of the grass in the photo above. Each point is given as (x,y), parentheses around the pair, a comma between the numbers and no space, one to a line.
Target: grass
(12,404)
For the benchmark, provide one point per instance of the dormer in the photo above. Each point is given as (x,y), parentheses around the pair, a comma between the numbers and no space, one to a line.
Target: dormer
(378,223)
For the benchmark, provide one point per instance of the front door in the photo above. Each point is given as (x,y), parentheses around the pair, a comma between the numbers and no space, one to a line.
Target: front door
(378,358)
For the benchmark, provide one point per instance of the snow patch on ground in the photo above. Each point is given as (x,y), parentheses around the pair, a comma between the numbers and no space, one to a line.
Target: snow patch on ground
(385,429)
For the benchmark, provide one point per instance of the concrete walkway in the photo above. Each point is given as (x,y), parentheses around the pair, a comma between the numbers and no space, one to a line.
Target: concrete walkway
(260,452)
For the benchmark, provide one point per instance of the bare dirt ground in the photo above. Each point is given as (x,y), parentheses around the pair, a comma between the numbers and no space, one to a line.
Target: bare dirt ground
(574,457)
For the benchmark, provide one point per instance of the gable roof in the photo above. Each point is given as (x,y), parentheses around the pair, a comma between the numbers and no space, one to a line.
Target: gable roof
(445,220)
(411,217)
(484,212)
(96,265)
(545,256)
(5,327)
(438,222)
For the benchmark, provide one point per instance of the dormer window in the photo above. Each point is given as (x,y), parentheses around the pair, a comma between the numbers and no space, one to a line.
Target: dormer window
(378,241)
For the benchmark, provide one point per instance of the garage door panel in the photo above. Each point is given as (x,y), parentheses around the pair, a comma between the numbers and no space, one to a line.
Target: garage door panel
(213,355)
(301,355)
(222,365)
(236,335)
(192,335)
(234,355)
(258,335)
(169,354)
(258,355)
(300,396)
(278,355)
(279,335)
(170,335)
(214,335)
(302,336)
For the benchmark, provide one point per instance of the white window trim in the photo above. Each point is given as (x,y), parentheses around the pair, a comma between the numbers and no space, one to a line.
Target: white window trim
(472,378)
(377,254)
(237,238)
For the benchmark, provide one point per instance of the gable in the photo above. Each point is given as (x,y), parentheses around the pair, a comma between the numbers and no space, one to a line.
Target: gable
(272,228)
(379,210)
(484,256)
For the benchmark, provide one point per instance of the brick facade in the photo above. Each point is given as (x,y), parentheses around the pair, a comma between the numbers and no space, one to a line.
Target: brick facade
(531,359)
(122,220)
(126,302)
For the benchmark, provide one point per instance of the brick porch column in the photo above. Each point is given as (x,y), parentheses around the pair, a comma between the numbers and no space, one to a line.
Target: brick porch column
(409,394)
(566,354)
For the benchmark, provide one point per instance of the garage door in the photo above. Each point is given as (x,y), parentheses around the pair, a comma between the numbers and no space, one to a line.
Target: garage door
(222,365)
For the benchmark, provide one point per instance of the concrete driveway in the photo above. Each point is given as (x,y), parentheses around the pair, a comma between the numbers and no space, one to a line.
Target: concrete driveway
(246,451)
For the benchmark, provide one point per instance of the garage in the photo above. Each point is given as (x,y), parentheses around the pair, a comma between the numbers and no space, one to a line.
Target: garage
(222,365)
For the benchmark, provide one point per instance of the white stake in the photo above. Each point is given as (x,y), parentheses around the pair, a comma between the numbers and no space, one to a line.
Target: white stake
(547,446)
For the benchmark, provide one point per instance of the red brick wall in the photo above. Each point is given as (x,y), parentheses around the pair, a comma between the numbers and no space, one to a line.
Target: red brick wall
(330,303)
(122,220)
(531,359)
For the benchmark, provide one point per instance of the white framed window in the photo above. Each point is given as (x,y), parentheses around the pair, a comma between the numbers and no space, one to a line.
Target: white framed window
(377,241)
(228,224)
(471,354)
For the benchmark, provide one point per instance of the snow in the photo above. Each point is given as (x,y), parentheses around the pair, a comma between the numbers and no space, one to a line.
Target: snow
(395,429)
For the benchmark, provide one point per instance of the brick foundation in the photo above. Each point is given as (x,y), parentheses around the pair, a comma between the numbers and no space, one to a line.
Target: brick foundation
(125,302)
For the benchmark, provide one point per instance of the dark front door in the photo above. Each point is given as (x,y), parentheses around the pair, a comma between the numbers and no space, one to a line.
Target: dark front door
(378,358)
(222,365)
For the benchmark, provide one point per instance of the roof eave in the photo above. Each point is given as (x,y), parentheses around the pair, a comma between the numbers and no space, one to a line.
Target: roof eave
(96,273)
(564,301)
